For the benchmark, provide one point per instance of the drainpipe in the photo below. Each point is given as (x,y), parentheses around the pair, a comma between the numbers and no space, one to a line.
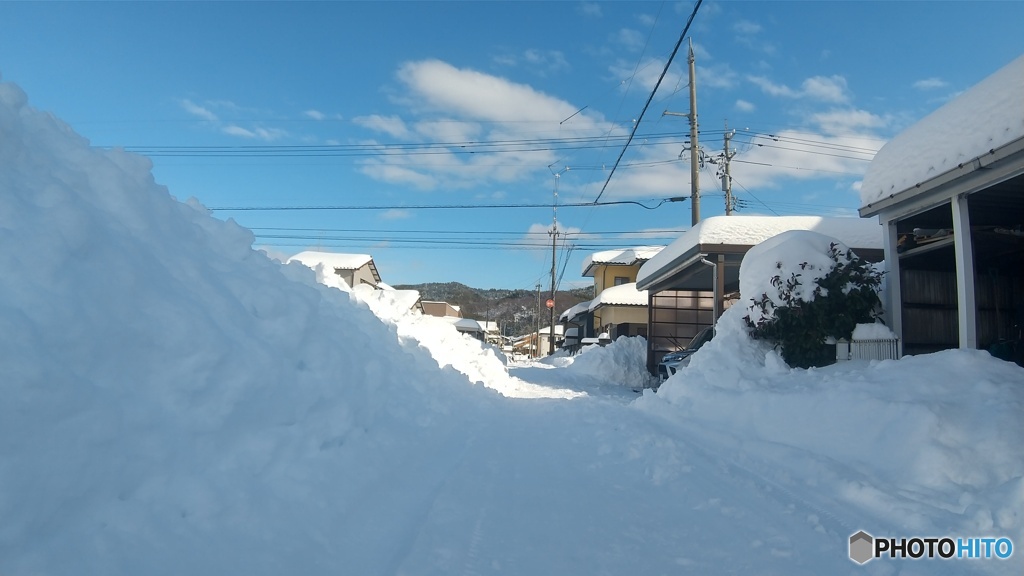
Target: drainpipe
(714,289)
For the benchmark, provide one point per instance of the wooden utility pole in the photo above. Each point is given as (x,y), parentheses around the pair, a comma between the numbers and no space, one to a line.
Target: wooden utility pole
(694,148)
(727,177)
(551,302)
(535,343)
(694,145)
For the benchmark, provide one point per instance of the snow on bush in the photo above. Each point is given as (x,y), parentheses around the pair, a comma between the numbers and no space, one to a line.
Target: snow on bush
(818,293)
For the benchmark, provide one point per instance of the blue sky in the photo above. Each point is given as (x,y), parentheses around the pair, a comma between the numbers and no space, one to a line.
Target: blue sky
(406,104)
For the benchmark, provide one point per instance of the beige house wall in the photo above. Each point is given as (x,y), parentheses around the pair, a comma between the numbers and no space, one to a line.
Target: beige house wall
(606,315)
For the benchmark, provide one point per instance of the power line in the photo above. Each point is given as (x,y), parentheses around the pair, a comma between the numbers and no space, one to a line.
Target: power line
(467,232)
(442,206)
(636,124)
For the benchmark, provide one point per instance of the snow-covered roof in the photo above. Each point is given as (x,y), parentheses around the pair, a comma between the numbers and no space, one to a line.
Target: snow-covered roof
(332,259)
(575,311)
(621,295)
(488,325)
(464,324)
(619,257)
(985,118)
(863,233)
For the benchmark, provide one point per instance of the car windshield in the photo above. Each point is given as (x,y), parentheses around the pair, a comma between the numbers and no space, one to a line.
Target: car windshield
(701,338)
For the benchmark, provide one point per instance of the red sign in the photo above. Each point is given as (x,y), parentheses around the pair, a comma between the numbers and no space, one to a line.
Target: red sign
(550,303)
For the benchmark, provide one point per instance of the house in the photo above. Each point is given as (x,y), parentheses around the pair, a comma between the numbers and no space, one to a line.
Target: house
(492,331)
(441,309)
(620,311)
(693,280)
(354,269)
(949,192)
(623,310)
(467,326)
(545,338)
(535,344)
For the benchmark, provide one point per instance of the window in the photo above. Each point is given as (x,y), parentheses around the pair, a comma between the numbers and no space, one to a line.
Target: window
(620,280)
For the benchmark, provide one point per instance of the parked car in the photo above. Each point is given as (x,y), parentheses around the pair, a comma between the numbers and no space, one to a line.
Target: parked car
(673,361)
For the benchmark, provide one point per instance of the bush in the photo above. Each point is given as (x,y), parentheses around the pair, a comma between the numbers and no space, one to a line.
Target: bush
(845,296)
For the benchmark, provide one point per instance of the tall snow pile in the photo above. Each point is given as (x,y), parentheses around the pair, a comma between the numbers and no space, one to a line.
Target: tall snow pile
(928,445)
(624,362)
(167,389)
(480,362)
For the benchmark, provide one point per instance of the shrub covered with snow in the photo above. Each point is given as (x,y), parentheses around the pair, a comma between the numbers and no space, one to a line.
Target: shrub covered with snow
(819,291)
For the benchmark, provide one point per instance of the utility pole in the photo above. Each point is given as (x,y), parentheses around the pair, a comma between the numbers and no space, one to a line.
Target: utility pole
(727,177)
(551,303)
(535,344)
(554,239)
(694,146)
(695,149)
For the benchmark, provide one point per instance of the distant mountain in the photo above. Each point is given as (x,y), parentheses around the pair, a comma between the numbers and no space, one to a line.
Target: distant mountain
(515,310)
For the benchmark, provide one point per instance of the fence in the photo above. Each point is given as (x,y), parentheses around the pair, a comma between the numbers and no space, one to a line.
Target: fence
(882,349)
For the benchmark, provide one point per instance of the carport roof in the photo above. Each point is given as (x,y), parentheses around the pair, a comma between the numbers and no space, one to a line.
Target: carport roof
(973,130)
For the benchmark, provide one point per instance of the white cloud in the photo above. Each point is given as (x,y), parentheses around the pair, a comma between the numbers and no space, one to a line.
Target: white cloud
(448,130)
(448,106)
(824,88)
(800,155)
(257,133)
(198,111)
(630,39)
(396,174)
(238,131)
(746,27)
(744,106)
(315,114)
(839,122)
(828,89)
(930,84)
(390,125)
(541,62)
(647,74)
(716,76)
(396,215)
(469,94)
(592,9)
(771,88)
(540,234)
(549,60)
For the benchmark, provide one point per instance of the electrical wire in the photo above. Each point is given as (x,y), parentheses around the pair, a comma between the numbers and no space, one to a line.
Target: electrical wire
(442,206)
(636,125)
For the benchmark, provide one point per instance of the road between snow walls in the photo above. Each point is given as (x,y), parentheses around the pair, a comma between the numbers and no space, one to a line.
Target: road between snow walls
(178,403)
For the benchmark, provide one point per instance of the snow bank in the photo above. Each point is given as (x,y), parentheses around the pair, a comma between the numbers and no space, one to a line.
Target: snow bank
(623,362)
(482,363)
(171,395)
(923,445)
